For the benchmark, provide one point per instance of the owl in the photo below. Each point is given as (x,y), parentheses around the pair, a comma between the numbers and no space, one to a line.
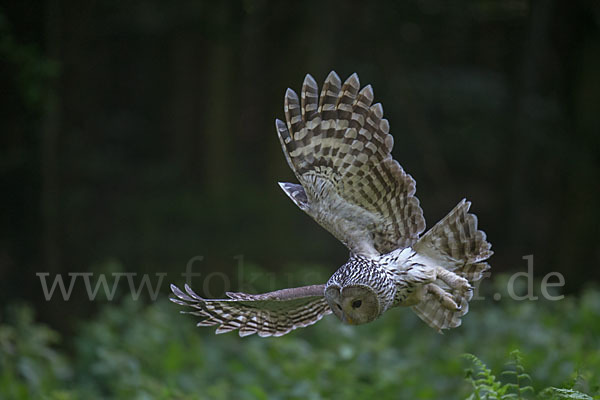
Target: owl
(339,147)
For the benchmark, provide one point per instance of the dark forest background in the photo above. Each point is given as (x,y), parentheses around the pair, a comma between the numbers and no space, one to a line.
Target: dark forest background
(137,135)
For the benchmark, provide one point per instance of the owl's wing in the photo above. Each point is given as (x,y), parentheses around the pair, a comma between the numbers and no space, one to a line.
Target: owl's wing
(339,148)
(269,314)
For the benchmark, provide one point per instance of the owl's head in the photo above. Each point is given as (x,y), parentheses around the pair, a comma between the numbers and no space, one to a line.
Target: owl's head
(354,305)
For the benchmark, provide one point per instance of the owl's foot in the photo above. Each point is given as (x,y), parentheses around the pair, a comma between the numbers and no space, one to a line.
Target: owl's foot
(453,280)
(443,297)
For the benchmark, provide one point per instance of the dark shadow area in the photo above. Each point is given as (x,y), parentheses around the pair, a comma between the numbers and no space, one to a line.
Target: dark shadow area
(138,135)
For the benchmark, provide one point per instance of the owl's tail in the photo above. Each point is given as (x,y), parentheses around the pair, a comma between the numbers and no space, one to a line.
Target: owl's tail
(455,244)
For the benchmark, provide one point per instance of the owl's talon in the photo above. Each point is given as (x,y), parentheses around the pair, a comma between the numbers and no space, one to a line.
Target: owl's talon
(444,297)
(453,280)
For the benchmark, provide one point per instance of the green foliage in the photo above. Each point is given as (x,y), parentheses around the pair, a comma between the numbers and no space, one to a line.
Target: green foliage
(134,350)
(29,364)
(553,393)
(517,373)
(486,386)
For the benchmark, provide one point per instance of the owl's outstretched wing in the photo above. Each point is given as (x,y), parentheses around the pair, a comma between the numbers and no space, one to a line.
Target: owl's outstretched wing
(269,314)
(339,148)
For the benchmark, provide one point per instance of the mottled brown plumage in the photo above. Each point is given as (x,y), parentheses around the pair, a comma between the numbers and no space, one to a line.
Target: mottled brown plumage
(339,147)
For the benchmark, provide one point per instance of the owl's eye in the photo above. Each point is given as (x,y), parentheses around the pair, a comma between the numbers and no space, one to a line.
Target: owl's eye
(356,303)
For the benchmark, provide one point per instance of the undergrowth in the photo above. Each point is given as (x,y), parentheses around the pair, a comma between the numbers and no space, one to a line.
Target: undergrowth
(516,385)
(147,350)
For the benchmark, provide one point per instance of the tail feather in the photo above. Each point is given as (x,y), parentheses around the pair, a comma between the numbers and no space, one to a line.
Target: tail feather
(473,272)
(455,244)
(454,240)
(436,316)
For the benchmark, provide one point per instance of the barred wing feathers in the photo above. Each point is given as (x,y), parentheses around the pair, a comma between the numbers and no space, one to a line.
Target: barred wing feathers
(269,314)
(339,147)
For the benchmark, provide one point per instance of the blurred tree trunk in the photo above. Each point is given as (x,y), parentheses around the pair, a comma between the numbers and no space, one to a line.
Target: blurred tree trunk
(217,134)
(579,197)
(50,130)
(185,104)
(522,147)
(255,73)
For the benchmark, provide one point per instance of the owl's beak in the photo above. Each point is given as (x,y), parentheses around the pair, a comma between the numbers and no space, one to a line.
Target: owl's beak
(347,319)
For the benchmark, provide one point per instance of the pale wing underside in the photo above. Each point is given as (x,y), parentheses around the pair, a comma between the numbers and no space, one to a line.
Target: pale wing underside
(338,146)
(269,314)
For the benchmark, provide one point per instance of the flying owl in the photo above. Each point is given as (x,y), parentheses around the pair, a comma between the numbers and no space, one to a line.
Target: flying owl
(339,147)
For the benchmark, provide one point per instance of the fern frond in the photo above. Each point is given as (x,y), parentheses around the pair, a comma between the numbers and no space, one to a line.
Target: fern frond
(554,393)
